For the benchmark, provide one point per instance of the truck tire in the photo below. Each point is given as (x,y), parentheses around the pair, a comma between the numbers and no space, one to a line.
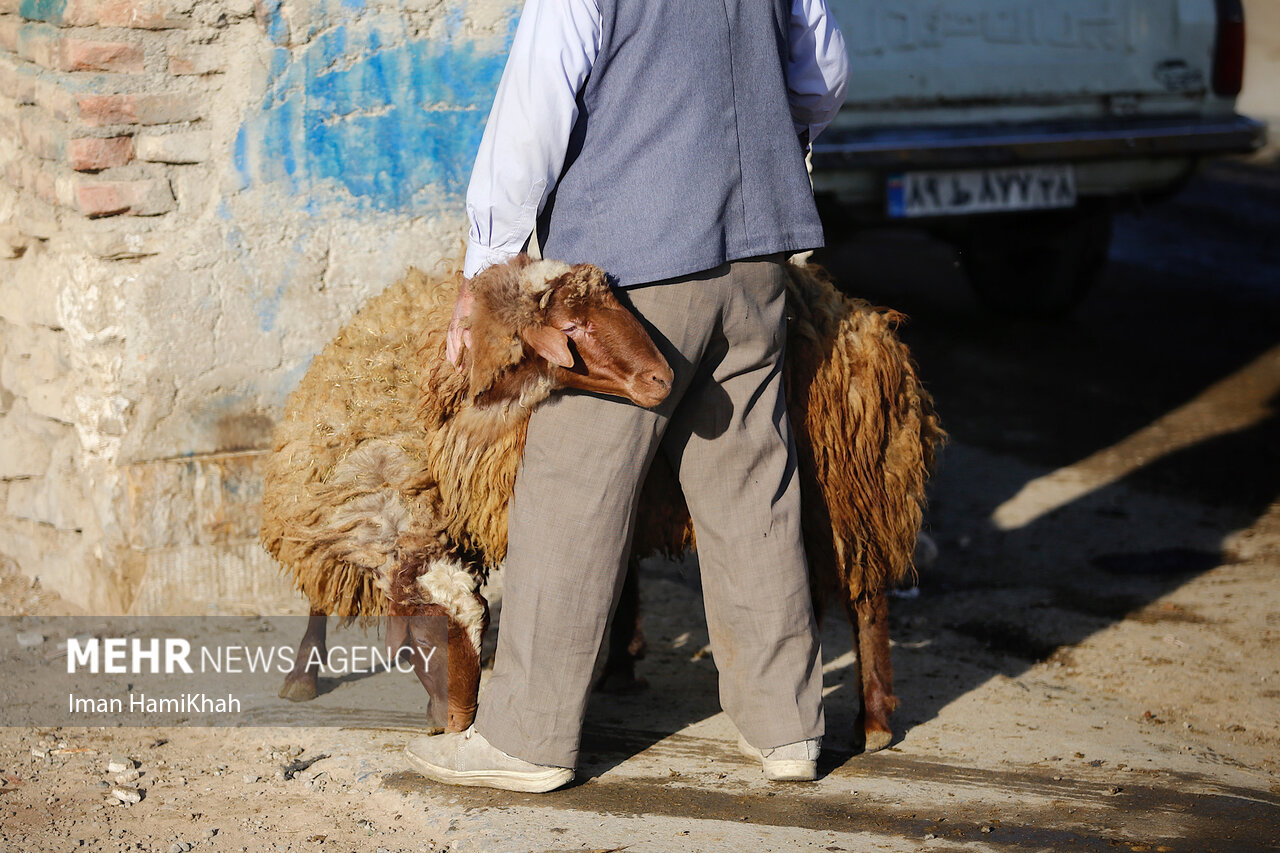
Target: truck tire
(1036,265)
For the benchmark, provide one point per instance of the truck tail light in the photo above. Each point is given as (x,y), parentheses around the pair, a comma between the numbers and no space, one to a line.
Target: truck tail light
(1228,53)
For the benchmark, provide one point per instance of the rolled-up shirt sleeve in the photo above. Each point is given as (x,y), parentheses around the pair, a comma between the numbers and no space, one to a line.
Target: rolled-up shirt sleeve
(818,67)
(527,136)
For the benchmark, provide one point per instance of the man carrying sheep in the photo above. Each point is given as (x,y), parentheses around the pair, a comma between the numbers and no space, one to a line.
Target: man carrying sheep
(664,142)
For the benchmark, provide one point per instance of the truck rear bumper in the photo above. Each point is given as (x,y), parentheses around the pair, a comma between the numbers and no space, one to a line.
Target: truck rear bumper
(1059,141)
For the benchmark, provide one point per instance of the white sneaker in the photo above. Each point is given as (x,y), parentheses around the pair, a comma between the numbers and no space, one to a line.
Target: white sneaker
(792,762)
(466,758)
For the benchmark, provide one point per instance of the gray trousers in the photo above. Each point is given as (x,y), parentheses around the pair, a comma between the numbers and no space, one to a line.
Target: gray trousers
(725,430)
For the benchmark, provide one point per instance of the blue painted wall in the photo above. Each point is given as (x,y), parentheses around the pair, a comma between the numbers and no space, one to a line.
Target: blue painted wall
(42,10)
(362,117)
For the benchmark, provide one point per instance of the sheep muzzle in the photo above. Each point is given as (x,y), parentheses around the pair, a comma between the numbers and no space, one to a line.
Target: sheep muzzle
(613,353)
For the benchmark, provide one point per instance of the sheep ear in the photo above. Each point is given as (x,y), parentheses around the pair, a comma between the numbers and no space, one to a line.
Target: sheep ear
(551,344)
(487,358)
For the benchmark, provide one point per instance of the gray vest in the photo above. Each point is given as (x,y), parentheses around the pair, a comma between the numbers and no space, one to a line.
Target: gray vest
(683,155)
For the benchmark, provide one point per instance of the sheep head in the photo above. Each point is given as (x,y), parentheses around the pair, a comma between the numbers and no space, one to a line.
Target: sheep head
(542,325)
(436,613)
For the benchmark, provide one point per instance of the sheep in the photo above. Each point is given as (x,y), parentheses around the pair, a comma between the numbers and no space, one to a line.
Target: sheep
(386,489)
(866,435)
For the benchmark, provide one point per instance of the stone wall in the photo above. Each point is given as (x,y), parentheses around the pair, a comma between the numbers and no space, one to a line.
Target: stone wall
(195,194)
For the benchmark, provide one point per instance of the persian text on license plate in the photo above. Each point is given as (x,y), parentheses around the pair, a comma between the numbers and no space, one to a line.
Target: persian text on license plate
(981,191)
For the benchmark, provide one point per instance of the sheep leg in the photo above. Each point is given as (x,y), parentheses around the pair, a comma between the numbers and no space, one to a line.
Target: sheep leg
(869,616)
(424,631)
(300,684)
(626,641)
(447,664)
(464,677)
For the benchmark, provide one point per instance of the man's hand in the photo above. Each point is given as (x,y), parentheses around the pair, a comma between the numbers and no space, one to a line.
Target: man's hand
(459,335)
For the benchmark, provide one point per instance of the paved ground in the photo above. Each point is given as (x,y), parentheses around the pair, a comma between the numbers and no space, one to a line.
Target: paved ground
(1092,664)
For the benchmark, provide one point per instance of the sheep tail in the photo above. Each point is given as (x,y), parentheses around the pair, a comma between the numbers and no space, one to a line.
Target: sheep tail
(868,436)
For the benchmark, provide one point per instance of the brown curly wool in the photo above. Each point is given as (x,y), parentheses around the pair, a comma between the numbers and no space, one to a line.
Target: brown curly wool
(866,433)
(383,439)
(383,433)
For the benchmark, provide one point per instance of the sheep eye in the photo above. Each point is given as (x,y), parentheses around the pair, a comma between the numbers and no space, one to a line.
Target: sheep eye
(569,328)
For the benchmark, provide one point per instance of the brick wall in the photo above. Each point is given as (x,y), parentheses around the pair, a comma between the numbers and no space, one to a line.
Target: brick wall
(194,194)
(102,102)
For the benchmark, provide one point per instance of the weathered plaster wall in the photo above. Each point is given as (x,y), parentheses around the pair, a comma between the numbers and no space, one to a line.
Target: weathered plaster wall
(196,194)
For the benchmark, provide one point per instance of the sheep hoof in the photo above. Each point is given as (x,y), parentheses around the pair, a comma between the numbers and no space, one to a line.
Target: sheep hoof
(875,740)
(298,690)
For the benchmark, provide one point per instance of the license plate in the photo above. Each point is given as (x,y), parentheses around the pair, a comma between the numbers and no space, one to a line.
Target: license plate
(981,191)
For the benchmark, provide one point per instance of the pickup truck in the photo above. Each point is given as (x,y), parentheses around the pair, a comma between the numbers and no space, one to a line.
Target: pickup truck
(1016,128)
